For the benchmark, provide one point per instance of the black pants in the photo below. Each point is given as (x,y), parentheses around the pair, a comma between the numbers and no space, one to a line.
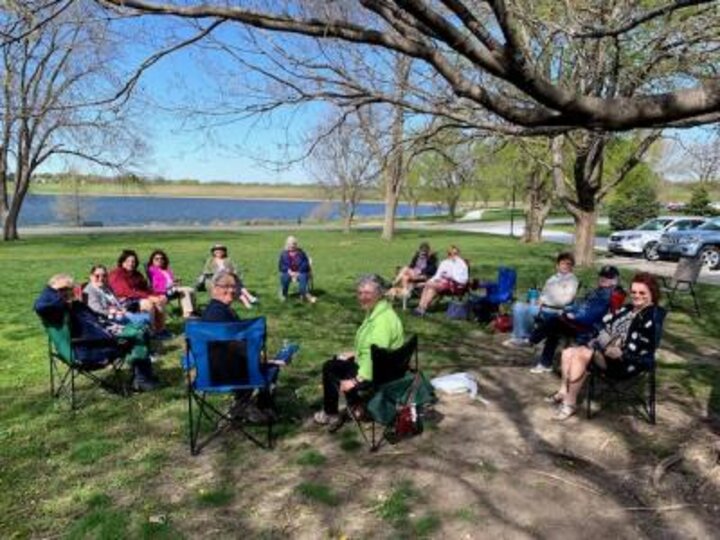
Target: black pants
(552,330)
(335,371)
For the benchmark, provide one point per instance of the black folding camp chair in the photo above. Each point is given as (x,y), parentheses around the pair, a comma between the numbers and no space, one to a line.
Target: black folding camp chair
(637,389)
(225,359)
(393,372)
(65,367)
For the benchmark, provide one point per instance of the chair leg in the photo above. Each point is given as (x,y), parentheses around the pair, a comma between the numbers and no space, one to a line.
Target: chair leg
(695,302)
(52,376)
(651,397)
(72,389)
(192,431)
(590,395)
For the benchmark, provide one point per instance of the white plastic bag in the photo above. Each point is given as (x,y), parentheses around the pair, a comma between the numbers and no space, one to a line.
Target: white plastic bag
(456,383)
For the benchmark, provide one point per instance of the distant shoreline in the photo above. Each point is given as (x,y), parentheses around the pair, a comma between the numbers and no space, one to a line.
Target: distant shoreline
(171,195)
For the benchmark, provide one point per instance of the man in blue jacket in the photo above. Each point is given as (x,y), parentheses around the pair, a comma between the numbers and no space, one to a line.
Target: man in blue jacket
(57,299)
(576,320)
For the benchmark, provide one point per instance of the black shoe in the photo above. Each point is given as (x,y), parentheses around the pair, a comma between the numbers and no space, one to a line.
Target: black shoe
(142,381)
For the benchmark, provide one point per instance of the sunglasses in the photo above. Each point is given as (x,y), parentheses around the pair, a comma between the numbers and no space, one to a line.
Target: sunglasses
(100,275)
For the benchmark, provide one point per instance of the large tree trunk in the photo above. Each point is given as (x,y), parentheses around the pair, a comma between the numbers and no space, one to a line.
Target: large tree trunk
(585,237)
(587,172)
(395,176)
(10,230)
(392,196)
(539,201)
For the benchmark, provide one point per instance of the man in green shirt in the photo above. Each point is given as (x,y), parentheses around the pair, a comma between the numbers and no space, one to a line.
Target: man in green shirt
(349,370)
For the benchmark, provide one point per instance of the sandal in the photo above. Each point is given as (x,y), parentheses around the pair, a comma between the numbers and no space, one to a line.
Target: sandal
(564,412)
(554,399)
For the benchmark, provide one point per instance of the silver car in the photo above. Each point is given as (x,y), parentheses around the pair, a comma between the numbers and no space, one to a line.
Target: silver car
(644,239)
(703,242)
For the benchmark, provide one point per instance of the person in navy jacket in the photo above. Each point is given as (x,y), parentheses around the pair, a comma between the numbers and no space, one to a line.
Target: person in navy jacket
(294,265)
(57,300)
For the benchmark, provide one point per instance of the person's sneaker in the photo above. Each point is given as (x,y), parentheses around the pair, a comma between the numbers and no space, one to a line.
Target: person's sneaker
(324,419)
(418,312)
(282,297)
(539,368)
(564,412)
(516,343)
(310,298)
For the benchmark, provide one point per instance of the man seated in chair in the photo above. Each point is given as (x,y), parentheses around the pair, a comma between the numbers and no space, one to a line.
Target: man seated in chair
(57,300)
(450,275)
(577,320)
(350,371)
(223,291)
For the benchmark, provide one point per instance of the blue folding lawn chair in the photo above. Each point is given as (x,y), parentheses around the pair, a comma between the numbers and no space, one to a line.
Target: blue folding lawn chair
(497,293)
(225,358)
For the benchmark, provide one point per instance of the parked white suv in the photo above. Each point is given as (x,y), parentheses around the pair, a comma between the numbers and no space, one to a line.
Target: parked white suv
(644,239)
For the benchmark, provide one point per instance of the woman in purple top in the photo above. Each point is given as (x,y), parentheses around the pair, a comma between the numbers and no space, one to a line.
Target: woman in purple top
(163,281)
(294,265)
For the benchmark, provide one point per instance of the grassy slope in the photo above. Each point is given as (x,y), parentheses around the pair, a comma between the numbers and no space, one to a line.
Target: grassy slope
(106,470)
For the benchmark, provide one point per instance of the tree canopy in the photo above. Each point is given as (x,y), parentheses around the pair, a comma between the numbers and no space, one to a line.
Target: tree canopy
(516,65)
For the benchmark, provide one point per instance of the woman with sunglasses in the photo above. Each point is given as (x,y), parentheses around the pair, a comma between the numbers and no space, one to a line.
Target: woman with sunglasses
(621,347)
(163,282)
(102,300)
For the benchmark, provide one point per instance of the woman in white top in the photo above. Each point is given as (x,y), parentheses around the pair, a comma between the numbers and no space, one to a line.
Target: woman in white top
(559,291)
(450,275)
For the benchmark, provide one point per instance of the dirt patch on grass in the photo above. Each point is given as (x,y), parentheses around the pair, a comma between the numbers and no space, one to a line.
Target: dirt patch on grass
(492,470)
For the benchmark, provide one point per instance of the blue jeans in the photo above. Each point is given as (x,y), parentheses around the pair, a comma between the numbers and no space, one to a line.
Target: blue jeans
(302,281)
(138,318)
(523,316)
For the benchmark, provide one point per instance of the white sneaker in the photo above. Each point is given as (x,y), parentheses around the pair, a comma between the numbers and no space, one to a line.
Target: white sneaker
(324,419)
(516,343)
(539,368)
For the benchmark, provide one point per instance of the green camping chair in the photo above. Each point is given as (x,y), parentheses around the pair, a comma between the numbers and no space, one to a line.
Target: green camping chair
(65,368)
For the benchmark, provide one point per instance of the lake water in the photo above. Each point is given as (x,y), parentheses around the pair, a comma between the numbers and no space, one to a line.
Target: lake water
(119,210)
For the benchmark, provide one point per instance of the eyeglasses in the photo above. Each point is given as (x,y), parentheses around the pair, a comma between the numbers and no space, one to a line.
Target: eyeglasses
(639,293)
(227,286)
(101,275)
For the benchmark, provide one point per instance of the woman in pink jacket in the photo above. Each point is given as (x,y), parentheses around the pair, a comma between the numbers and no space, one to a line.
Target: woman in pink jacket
(163,282)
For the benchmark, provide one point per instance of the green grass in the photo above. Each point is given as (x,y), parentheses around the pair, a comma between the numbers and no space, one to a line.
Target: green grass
(319,493)
(105,469)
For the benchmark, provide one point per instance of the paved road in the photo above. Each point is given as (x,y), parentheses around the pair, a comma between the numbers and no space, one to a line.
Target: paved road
(661,268)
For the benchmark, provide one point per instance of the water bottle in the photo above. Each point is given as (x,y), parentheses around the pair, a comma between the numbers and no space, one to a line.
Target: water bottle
(533,296)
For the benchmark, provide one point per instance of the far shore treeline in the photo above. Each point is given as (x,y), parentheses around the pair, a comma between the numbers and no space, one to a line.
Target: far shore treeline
(93,184)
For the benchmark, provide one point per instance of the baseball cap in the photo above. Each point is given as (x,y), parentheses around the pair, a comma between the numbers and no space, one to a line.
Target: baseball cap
(608,271)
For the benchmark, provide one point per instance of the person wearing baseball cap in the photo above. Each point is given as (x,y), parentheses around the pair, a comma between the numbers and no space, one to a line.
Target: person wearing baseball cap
(577,320)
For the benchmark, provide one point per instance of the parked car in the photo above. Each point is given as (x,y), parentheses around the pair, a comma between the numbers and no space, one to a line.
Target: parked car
(703,242)
(644,239)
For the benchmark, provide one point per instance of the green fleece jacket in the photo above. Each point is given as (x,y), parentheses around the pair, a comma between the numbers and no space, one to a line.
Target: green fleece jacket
(381,327)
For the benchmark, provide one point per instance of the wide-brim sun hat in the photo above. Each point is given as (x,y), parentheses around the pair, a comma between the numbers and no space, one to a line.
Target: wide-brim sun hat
(217,247)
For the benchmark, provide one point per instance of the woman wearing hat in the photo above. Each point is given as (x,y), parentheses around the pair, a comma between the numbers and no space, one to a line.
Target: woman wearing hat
(218,261)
